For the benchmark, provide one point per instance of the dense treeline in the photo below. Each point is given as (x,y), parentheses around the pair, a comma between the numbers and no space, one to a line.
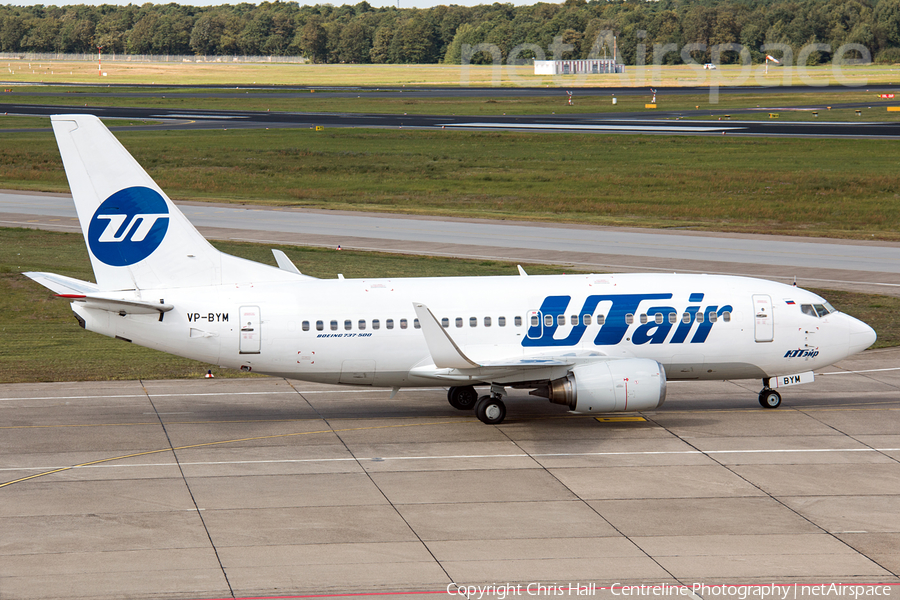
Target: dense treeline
(363,34)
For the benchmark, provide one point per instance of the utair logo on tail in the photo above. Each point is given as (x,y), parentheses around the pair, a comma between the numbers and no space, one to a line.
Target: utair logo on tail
(128,226)
(660,321)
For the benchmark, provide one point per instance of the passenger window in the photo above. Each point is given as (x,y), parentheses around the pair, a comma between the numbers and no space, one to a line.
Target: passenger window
(388,323)
(643,319)
(686,318)
(362,324)
(658,318)
(585,320)
(445,322)
(416,324)
(673,318)
(560,320)
(487,321)
(518,321)
(334,325)
(403,323)
(305,326)
(726,316)
(473,321)
(376,323)
(548,321)
(713,317)
(699,317)
(573,320)
(629,318)
(320,325)
(601,319)
(807,309)
(459,321)
(348,325)
(501,321)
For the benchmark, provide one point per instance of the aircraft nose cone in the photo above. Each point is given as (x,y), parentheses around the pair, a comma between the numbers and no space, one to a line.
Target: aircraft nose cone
(861,336)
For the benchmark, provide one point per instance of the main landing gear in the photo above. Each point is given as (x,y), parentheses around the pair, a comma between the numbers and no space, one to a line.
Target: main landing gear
(769,398)
(489,409)
(462,398)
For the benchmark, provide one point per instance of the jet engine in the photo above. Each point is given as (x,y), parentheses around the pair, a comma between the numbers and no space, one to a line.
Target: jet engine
(610,386)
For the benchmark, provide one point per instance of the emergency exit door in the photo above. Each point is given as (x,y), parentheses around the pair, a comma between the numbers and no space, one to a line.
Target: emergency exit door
(250,333)
(764,324)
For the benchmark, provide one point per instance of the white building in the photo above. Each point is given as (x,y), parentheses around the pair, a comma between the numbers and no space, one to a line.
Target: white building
(589,66)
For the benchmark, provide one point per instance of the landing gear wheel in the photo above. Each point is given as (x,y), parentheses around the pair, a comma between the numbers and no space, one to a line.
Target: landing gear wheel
(490,410)
(462,398)
(769,399)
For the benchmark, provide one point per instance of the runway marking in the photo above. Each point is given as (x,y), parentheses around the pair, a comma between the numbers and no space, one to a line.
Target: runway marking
(51,470)
(292,393)
(575,127)
(864,371)
(207,444)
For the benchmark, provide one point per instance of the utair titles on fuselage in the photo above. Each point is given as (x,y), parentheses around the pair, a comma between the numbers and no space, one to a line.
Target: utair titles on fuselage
(593,343)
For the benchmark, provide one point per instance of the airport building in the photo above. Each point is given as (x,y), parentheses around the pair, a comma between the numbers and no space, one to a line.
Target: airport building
(589,66)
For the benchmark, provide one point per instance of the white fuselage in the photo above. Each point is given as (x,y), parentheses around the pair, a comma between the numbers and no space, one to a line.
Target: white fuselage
(363,331)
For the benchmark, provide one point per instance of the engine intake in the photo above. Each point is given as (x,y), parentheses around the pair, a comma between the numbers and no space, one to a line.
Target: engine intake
(629,384)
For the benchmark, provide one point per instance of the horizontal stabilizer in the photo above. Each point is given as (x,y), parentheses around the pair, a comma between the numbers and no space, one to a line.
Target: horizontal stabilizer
(133,307)
(286,264)
(60,284)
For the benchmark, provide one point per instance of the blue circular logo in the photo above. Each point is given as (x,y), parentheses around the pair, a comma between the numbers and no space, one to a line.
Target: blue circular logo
(128,226)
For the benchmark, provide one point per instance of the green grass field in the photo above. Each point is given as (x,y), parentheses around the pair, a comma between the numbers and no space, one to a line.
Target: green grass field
(838,188)
(169,73)
(43,342)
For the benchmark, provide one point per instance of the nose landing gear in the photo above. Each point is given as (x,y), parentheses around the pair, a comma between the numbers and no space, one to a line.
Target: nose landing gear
(769,398)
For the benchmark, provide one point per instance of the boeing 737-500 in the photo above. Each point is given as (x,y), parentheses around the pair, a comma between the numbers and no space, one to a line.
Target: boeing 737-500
(596,343)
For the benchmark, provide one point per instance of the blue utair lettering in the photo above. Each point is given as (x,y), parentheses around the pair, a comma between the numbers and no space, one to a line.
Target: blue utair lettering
(615,325)
(128,227)
(653,332)
(704,328)
(612,331)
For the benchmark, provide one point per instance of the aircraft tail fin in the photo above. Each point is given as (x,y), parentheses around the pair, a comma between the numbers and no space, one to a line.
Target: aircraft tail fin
(136,237)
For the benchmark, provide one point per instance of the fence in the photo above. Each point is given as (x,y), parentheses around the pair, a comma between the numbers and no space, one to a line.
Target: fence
(149,58)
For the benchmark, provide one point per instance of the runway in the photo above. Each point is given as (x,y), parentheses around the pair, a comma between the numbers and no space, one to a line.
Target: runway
(832,264)
(272,488)
(663,124)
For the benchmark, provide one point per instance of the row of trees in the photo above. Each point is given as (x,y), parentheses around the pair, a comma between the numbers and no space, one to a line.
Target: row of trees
(363,34)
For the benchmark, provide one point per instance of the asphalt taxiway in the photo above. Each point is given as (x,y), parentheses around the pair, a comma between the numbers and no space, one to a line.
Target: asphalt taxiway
(855,265)
(273,488)
(663,124)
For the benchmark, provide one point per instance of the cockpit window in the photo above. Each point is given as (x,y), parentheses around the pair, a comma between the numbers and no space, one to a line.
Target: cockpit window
(817,310)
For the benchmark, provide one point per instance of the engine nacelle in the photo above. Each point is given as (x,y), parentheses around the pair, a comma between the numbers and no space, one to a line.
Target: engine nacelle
(610,386)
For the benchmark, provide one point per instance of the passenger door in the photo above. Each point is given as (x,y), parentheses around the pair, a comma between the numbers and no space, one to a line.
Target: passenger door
(764,323)
(250,330)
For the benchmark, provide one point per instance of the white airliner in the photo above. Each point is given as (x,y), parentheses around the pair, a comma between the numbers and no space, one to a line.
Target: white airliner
(595,343)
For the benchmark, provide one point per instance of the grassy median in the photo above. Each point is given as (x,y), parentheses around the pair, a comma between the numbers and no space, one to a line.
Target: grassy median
(843,188)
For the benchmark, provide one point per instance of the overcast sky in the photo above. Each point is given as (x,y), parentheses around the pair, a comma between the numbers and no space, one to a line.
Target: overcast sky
(376,3)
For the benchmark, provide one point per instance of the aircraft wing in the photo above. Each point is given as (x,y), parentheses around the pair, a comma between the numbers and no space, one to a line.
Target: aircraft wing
(451,362)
